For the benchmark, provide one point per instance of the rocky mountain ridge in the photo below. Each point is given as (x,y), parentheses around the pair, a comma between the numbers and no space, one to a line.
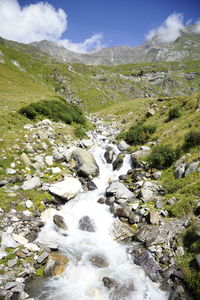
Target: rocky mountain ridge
(187,46)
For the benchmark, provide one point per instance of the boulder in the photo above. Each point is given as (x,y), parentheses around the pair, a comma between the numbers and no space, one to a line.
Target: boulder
(87,224)
(151,112)
(55,265)
(145,259)
(31,184)
(122,146)
(91,185)
(193,167)
(110,283)
(138,155)
(66,189)
(180,170)
(118,162)
(121,231)
(109,155)
(149,191)
(59,221)
(154,217)
(87,143)
(119,190)
(98,261)
(86,164)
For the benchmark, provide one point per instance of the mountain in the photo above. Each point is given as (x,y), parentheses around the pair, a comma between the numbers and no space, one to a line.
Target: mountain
(186,47)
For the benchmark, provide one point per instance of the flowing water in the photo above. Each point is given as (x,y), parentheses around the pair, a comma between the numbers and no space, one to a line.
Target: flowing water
(81,280)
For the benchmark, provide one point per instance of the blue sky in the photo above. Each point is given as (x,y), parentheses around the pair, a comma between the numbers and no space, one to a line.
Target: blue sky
(109,23)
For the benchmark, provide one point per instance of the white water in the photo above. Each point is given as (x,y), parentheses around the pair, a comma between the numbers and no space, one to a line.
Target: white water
(81,280)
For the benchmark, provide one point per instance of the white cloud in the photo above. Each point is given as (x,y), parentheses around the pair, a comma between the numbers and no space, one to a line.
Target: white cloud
(197,27)
(170,30)
(89,44)
(40,21)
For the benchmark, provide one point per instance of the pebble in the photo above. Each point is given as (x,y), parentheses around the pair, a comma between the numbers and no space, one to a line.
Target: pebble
(12,262)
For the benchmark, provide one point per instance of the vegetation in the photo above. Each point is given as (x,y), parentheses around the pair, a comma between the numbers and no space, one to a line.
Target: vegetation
(174,113)
(192,138)
(54,110)
(163,156)
(139,134)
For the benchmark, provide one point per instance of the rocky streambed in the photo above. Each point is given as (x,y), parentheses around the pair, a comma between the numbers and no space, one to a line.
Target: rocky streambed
(103,234)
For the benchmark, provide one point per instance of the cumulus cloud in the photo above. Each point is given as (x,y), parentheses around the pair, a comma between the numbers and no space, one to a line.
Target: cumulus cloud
(197,27)
(37,22)
(170,30)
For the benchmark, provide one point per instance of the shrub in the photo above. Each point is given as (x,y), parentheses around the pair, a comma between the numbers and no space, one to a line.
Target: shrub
(138,134)
(192,138)
(54,110)
(163,156)
(80,132)
(174,113)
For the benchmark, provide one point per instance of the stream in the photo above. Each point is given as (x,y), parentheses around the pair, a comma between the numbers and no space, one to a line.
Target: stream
(81,280)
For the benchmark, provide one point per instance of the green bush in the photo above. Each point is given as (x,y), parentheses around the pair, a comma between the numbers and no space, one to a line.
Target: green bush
(80,132)
(138,134)
(192,138)
(174,113)
(54,110)
(163,156)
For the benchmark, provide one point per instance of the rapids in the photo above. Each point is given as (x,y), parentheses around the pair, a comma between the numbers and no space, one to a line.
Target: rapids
(81,280)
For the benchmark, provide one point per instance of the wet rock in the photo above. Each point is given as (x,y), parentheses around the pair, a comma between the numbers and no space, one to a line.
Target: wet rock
(98,261)
(122,146)
(91,185)
(179,251)
(145,259)
(59,221)
(57,156)
(154,218)
(66,189)
(118,162)
(32,183)
(32,236)
(109,155)
(87,224)
(119,190)
(55,265)
(110,283)
(101,200)
(86,164)
(42,257)
(121,231)
(123,291)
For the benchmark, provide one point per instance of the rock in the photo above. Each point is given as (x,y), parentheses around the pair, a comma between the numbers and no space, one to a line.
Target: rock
(110,283)
(122,146)
(42,257)
(26,159)
(180,170)
(20,239)
(109,155)
(179,251)
(148,191)
(66,189)
(49,160)
(157,175)
(10,171)
(48,214)
(7,240)
(154,218)
(153,235)
(21,254)
(87,224)
(57,156)
(138,155)
(121,231)
(32,247)
(29,148)
(12,262)
(32,236)
(59,221)
(56,170)
(198,260)
(119,190)
(10,285)
(29,204)
(31,184)
(55,265)
(86,164)
(193,167)
(151,112)
(3,182)
(118,162)
(91,185)
(98,261)
(145,259)
(87,143)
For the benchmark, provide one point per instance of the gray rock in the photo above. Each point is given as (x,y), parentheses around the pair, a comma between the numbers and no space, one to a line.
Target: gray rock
(151,112)
(193,167)
(7,241)
(148,191)
(32,183)
(154,218)
(10,285)
(91,185)
(3,182)
(10,171)
(66,189)
(98,261)
(137,155)
(42,257)
(86,164)
(118,162)
(180,170)
(49,160)
(121,231)
(87,224)
(119,190)
(59,221)
(87,143)
(110,283)
(145,259)
(109,155)
(122,146)
(157,175)
(12,262)
(26,159)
